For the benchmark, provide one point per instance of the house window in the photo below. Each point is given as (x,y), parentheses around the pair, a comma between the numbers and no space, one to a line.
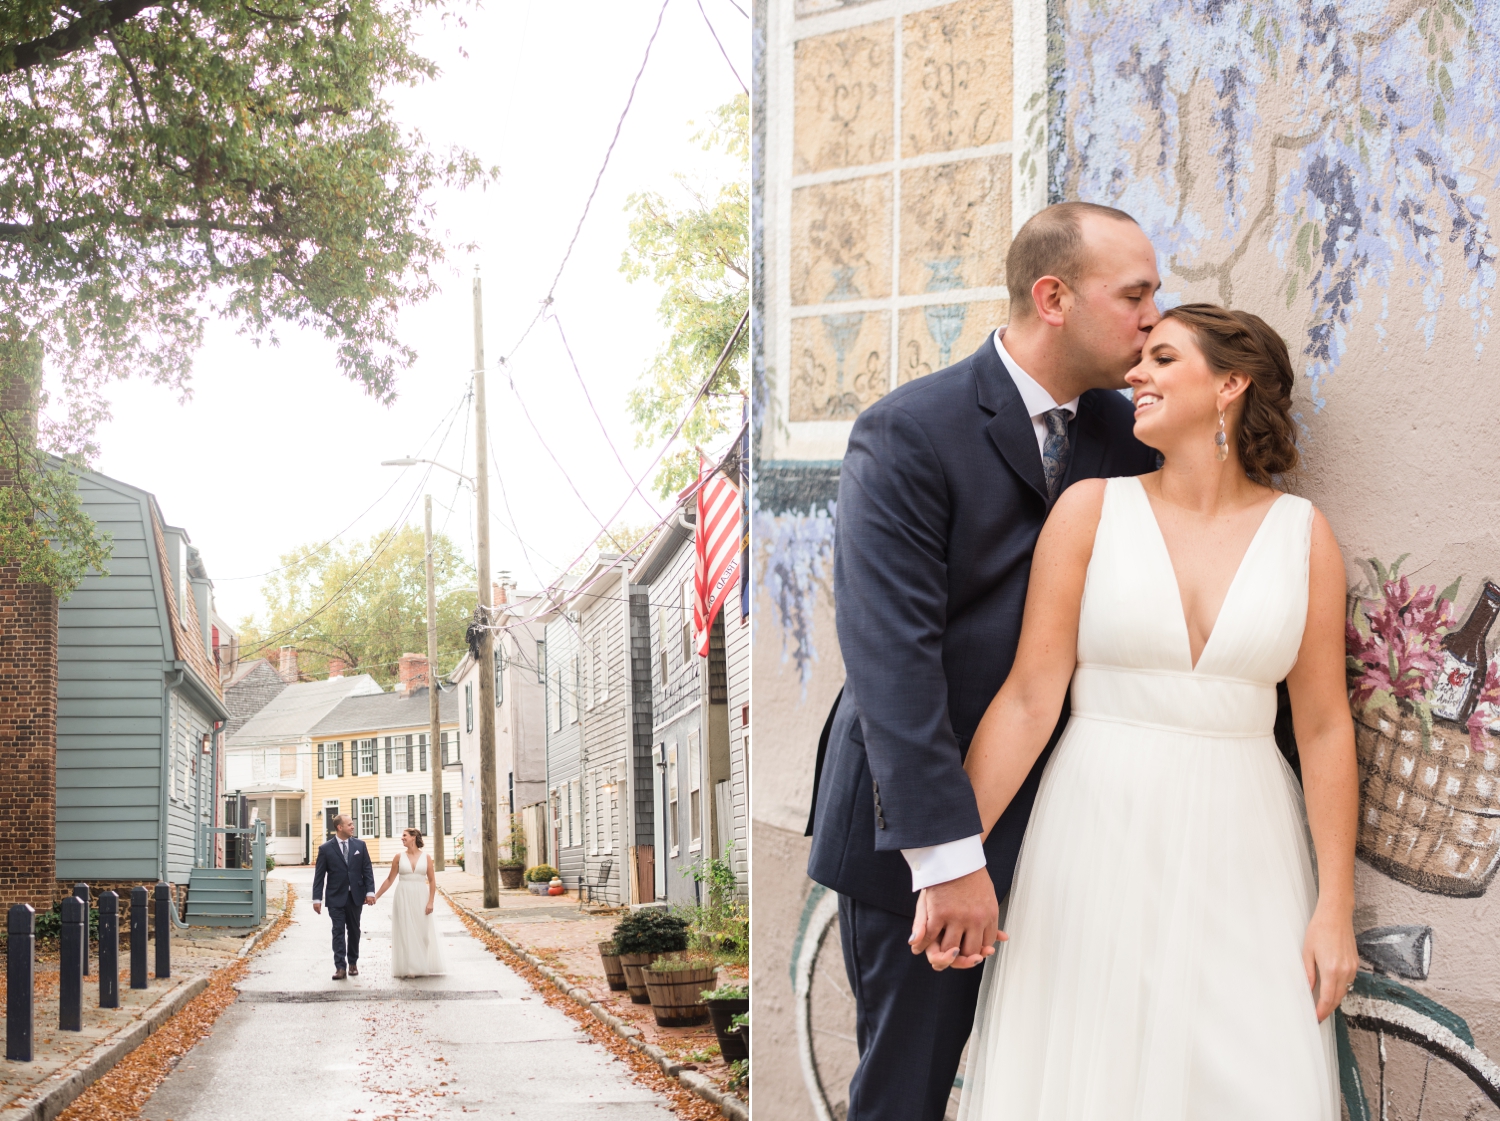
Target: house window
(388,832)
(449,741)
(687,621)
(695,794)
(447,814)
(367,763)
(422,813)
(664,636)
(288,817)
(335,756)
(613,792)
(368,825)
(672,798)
(469,707)
(401,816)
(577,829)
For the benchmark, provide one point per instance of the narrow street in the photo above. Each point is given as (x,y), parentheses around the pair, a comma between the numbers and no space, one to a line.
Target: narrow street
(476,1042)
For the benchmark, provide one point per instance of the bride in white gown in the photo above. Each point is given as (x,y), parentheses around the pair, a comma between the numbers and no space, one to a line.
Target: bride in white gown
(416,950)
(1174,952)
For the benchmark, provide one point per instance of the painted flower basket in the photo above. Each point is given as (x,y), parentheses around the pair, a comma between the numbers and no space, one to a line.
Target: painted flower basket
(614,972)
(676,989)
(1429,815)
(1429,786)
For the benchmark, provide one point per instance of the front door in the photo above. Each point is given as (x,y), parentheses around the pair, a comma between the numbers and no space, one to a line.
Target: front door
(330,811)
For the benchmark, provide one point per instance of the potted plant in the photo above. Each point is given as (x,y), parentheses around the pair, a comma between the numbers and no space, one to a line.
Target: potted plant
(643,936)
(675,985)
(740,1026)
(513,867)
(538,878)
(725,1004)
(614,972)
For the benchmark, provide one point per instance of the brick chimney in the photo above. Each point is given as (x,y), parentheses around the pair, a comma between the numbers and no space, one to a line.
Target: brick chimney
(335,667)
(288,667)
(498,596)
(414,674)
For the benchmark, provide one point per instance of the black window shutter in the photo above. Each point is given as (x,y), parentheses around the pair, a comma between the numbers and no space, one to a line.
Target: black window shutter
(320,761)
(421,754)
(387,754)
(422,801)
(447,814)
(387,815)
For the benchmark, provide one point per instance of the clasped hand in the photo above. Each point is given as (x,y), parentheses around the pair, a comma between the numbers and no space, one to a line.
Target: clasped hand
(318,906)
(957,923)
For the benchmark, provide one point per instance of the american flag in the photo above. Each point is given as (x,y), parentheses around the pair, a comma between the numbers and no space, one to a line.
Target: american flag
(717,542)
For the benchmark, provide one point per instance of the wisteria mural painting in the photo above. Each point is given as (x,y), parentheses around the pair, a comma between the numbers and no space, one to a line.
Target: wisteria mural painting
(1356,142)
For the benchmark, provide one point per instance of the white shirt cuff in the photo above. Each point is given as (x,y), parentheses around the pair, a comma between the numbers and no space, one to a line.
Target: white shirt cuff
(937,864)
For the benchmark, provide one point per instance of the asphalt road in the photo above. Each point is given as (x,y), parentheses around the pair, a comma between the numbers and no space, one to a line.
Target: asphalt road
(477,1042)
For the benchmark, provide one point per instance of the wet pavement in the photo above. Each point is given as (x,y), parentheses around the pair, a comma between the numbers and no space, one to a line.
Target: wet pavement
(476,1042)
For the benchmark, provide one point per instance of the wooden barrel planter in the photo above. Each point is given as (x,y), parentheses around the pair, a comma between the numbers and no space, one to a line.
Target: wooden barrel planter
(632,965)
(676,995)
(731,1044)
(613,970)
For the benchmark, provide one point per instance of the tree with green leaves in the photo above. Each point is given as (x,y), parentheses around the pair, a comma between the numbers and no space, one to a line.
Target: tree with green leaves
(364,604)
(163,161)
(700,254)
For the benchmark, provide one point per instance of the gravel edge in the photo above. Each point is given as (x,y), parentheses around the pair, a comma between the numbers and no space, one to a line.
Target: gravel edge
(68,1082)
(697,1084)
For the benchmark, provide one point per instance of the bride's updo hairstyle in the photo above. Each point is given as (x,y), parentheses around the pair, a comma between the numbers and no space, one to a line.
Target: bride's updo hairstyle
(416,835)
(1240,340)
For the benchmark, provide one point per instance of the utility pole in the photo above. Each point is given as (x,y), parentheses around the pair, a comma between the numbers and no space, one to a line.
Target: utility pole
(488,809)
(435,757)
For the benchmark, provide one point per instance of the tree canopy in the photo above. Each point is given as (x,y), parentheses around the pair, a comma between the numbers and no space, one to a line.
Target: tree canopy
(162,161)
(700,254)
(375,594)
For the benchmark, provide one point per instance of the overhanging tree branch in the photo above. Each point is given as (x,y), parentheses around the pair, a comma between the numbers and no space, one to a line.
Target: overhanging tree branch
(69,38)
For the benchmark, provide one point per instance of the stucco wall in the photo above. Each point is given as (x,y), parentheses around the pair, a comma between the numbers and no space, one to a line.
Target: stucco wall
(1327,166)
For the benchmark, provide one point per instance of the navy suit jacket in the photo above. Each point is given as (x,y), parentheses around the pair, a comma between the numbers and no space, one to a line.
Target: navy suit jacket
(347,884)
(941,500)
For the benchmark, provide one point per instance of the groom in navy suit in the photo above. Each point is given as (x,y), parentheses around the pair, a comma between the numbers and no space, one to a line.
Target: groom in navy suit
(944,488)
(344,866)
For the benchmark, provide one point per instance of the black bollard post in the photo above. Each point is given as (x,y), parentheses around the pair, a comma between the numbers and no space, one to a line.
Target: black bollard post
(20,980)
(82,892)
(138,917)
(109,950)
(70,966)
(163,931)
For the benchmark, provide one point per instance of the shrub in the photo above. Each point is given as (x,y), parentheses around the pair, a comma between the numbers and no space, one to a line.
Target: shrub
(540,874)
(517,841)
(684,963)
(270,863)
(651,930)
(727,992)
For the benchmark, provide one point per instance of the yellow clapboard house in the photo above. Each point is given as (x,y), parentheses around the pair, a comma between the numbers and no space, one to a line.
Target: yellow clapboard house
(372,759)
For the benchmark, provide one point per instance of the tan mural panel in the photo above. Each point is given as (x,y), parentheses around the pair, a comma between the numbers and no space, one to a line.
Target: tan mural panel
(840,364)
(841,241)
(955,78)
(939,335)
(843,108)
(955,225)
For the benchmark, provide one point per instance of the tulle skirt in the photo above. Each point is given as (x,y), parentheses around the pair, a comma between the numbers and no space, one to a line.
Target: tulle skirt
(1154,969)
(416,949)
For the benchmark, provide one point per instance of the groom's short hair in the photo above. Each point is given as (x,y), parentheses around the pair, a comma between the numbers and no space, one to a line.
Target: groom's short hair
(1050,243)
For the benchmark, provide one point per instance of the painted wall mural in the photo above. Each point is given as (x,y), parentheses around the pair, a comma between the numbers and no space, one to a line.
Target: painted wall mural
(1330,166)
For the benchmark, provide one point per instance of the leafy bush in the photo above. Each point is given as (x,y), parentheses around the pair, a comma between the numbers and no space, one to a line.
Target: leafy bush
(722,926)
(727,992)
(683,964)
(540,874)
(517,842)
(270,863)
(651,930)
(739,1075)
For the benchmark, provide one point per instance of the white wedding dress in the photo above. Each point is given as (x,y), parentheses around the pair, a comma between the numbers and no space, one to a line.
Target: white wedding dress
(1154,968)
(416,950)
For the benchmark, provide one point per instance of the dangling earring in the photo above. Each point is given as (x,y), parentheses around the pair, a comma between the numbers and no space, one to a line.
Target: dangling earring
(1221,441)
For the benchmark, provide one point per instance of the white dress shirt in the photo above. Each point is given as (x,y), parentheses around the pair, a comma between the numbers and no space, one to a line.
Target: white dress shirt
(937,864)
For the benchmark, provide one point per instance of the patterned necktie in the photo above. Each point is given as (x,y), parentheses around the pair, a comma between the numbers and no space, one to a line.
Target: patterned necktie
(344,845)
(1055,451)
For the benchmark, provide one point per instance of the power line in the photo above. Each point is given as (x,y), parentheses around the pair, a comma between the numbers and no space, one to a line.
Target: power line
(620,124)
(722,51)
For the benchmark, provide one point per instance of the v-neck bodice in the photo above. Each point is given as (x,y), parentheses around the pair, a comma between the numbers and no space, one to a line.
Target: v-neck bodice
(1134,657)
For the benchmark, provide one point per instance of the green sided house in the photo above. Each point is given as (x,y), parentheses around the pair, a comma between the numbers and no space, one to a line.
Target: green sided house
(139,703)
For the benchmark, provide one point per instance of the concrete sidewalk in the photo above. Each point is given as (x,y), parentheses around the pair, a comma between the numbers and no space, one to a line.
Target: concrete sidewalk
(477,1041)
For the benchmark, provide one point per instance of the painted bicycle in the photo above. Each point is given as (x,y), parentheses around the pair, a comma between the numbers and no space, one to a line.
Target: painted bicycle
(1402,1056)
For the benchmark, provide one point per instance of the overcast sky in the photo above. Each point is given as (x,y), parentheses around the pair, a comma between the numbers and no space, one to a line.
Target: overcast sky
(277,449)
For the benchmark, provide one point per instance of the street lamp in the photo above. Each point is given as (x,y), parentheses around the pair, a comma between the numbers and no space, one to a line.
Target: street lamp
(408,462)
